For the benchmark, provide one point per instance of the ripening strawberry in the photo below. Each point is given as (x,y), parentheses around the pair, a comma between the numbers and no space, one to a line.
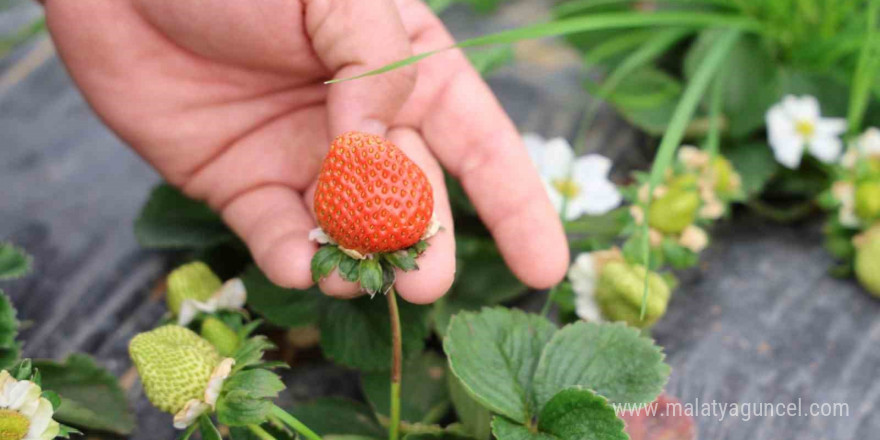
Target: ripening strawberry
(370,197)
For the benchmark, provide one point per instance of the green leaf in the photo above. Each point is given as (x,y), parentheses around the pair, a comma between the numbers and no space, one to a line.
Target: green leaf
(356,333)
(755,165)
(336,416)
(678,256)
(425,399)
(52,397)
(65,431)
(403,260)
(258,383)
(14,262)
(866,70)
(580,414)
(476,420)
(370,275)
(505,429)
(171,220)
(348,268)
(241,408)
(751,79)
(494,353)
(612,359)
(10,349)
(91,397)
(324,261)
(189,431)
(280,306)
(646,98)
(593,22)
(207,429)
(250,352)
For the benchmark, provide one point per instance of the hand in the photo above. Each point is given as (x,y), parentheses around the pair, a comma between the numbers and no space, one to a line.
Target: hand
(226,100)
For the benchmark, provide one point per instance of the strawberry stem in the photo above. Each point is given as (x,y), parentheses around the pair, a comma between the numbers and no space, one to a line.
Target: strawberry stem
(396,361)
(294,423)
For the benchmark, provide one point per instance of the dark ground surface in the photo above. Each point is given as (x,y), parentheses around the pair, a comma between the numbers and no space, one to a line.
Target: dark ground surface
(760,321)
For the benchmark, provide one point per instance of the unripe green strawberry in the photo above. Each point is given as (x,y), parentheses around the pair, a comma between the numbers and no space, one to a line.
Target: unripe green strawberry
(868,200)
(220,335)
(621,288)
(370,197)
(174,364)
(724,174)
(191,281)
(674,211)
(867,263)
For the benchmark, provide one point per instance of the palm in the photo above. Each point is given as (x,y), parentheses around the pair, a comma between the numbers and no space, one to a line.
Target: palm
(227,101)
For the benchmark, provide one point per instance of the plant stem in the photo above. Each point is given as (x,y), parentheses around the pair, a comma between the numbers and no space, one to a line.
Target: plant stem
(396,364)
(292,421)
(546,309)
(260,432)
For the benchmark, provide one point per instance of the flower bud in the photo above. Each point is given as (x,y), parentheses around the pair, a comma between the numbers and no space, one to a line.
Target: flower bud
(674,211)
(191,281)
(725,177)
(868,200)
(620,291)
(175,365)
(220,335)
(867,264)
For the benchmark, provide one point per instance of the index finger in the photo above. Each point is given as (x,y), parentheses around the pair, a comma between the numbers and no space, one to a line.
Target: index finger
(471,135)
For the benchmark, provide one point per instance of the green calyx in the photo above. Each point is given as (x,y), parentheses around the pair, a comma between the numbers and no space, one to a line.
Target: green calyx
(868,200)
(867,264)
(13,425)
(224,339)
(374,274)
(191,281)
(174,364)
(674,211)
(621,288)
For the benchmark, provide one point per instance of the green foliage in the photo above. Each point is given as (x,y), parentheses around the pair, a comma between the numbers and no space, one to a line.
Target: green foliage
(339,417)
(521,368)
(14,262)
(246,397)
(10,349)
(475,419)
(171,220)
(481,279)
(356,333)
(91,397)
(572,414)
(494,353)
(207,429)
(280,306)
(425,398)
(755,165)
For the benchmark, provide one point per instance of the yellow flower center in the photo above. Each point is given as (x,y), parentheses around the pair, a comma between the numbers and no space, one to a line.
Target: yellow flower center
(13,426)
(805,128)
(567,187)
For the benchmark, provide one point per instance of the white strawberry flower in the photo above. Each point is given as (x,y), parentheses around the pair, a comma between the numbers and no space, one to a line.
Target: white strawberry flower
(866,145)
(795,124)
(580,185)
(24,413)
(231,296)
(584,275)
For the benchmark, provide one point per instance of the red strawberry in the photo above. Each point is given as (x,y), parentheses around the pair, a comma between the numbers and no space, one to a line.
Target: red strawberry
(371,197)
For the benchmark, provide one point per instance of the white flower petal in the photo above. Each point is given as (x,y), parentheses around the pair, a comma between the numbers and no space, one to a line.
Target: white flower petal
(557,159)
(597,198)
(591,167)
(190,412)
(319,236)
(804,108)
(40,419)
(215,383)
(830,127)
(189,308)
(553,194)
(826,149)
(869,142)
(22,393)
(433,227)
(788,151)
(232,295)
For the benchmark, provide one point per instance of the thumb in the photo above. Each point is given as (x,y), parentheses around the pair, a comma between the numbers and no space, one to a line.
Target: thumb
(352,37)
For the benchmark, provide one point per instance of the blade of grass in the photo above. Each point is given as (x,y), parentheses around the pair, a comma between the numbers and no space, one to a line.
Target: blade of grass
(866,70)
(684,111)
(615,20)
